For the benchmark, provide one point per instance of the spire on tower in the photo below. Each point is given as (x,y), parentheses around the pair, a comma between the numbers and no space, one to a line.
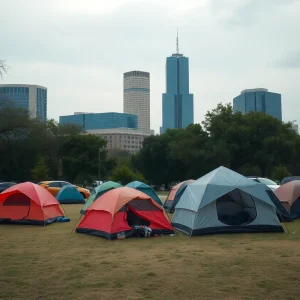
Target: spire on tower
(177,43)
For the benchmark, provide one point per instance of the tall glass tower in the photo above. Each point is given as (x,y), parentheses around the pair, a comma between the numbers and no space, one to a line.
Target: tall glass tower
(177,102)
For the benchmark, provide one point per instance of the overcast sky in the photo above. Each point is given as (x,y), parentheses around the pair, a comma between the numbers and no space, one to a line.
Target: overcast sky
(79,49)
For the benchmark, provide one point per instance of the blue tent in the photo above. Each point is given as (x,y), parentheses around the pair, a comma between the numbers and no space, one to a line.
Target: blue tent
(69,194)
(145,188)
(225,201)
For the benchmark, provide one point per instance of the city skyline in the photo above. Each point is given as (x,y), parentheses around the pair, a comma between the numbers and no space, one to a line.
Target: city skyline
(220,39)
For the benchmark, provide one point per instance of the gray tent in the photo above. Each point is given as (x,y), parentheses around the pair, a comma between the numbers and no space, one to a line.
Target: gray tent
(225,201)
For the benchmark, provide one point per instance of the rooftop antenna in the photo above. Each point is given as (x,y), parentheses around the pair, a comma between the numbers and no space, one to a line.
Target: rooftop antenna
(177,43)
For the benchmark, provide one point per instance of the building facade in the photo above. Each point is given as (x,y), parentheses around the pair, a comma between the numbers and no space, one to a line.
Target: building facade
(177,102)
(258,100)
(121,139)
(136,93)
(32,98)
(95,121)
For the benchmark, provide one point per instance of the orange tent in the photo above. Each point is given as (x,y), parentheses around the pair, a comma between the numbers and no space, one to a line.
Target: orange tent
(119,210)
(289,196)
(28,203)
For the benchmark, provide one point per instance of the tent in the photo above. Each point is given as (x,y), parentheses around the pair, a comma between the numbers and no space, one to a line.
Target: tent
(29,203)
(175,194)
(99,191)
(145,188)
(119,210)
(289,195)
(282,212)
(224,201)
(69,194)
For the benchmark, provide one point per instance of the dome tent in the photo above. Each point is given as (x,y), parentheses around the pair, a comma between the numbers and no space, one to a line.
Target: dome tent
(29,203)
(99,191)
(118,210)
(69,194)
(145,188)
(225,201)
(175,194)
(289,196)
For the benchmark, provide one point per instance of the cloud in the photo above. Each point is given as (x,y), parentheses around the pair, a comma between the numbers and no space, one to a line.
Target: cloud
(290,59)
(79,49)
(247,12)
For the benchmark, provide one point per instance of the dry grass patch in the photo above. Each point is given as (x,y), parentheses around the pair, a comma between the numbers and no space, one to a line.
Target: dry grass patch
(53,263)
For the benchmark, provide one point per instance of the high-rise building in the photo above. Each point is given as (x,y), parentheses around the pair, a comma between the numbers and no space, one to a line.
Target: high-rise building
(96,121)
(177,102)
(32,98)
(137,98)
(258,100)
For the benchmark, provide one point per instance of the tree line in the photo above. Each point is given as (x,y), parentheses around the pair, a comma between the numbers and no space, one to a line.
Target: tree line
(254,144)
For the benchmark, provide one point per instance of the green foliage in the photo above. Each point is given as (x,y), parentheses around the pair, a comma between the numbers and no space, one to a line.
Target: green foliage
(251,144)
(125,175)
(40,170)
(121,157)
(280,172)
(80,155)
(66,151)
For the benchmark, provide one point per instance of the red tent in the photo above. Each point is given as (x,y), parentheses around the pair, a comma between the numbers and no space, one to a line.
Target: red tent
(119,210)
(28,203)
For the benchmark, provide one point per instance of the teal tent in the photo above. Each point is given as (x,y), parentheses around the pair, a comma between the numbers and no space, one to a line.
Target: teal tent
(69,194)
(99,191)
(143,187)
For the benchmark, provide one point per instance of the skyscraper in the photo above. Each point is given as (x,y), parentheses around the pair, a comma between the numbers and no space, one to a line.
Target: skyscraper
(177,102)
(32,98)
(258,100)
(137,98)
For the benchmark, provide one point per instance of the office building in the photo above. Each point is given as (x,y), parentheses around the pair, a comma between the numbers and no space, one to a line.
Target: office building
(258,100)
(136,92)
(177,102)
(122,139)
(95,121)
(32,98)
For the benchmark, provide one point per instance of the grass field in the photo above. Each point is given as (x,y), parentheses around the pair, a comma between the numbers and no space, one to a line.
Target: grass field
(55,263)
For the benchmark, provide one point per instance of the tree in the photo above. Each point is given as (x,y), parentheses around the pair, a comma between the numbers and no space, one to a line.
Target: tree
(125,175)
(280,172)
(64,148)
(40,170)
(80,156)
(3,68)
(120,157)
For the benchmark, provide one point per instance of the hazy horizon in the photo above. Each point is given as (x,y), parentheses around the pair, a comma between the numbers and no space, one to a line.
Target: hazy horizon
(79,50)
